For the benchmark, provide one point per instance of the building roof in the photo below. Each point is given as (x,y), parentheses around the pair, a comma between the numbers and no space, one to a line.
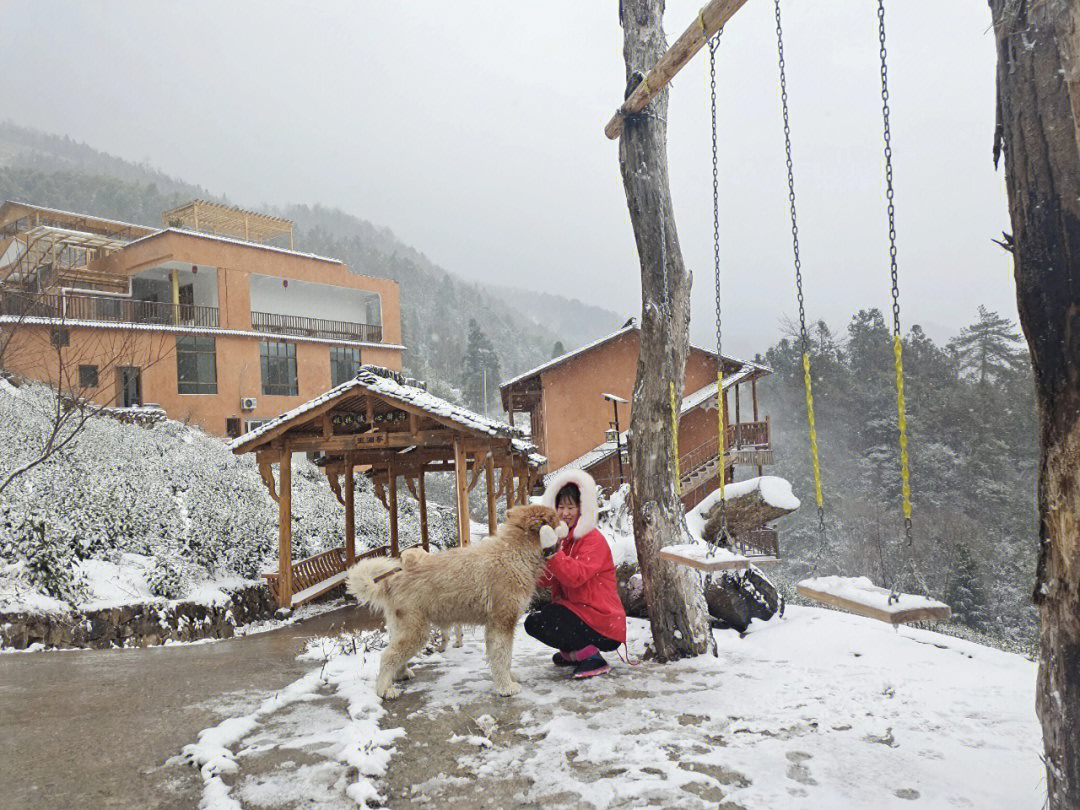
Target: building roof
(77,221)
(393,387)
(231,240)
(630,327)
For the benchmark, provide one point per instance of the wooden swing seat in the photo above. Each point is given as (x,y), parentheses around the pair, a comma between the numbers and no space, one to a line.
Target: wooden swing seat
(860,596)
(697,555)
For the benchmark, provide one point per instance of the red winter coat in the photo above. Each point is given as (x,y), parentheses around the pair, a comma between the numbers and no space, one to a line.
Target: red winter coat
(581,575)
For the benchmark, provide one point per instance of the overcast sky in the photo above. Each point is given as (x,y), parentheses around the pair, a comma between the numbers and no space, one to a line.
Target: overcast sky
(474,130)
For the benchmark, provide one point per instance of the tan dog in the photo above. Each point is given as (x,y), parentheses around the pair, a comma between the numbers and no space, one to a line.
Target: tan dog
(408,558)
(489,583)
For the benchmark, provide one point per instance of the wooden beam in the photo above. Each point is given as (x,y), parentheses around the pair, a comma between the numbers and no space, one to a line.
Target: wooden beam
(285,531)
(479,463)
(392,497)
(710,19)
(335,484)
(267,475)
(422,498)
(350,516)
(490,476)
(460,464)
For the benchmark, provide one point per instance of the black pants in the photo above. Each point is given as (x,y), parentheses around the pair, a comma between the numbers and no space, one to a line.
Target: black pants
(559,627)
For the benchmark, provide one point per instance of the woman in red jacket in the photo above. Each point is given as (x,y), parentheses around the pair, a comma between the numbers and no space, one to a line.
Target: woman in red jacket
(586,616)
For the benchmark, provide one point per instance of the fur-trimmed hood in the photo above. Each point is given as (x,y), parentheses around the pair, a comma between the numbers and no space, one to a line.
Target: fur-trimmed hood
(590,501)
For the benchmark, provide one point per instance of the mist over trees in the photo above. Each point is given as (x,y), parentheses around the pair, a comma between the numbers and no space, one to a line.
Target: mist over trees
(972,433)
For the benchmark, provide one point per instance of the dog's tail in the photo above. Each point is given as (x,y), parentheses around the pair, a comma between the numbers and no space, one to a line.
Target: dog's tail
(360,581)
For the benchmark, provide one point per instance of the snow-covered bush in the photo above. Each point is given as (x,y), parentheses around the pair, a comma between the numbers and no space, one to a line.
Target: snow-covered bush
(168,492)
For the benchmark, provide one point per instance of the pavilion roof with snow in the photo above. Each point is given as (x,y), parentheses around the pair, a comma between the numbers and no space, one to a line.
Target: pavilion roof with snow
(386,427)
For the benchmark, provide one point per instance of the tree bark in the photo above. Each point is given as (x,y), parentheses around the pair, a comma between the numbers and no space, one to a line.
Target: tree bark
(1037,60)
(743,514)
(676,604)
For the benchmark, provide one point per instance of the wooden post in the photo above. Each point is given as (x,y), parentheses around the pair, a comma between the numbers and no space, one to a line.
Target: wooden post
(350,515)
(753,392)
(490,471)
(508,476)
(392,503)
(710,20)
(422,498)
(460,471)
(285,529)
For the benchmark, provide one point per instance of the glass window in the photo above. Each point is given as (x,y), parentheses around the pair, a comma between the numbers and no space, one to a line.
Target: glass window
(196,365)
(88,377)
(278,362)
(344,363)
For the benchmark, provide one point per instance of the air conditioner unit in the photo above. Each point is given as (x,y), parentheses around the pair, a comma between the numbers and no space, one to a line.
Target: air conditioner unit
(247,403)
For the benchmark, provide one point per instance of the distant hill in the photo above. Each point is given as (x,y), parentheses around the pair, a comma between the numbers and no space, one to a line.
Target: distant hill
(437,306)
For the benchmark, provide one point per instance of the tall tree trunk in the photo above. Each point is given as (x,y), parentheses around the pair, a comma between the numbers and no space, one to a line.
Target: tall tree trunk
(1037,59)
(676,602)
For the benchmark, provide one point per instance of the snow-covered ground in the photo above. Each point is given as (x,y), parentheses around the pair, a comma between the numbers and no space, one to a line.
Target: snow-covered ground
(816,710)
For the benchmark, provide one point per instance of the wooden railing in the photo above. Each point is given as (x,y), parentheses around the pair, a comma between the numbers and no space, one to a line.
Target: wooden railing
(79,307)
(763,542)
(327,568)
(315,327)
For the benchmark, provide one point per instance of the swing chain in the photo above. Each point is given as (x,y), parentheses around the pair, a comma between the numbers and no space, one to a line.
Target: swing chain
(888,169)
(714,44)
(804,336)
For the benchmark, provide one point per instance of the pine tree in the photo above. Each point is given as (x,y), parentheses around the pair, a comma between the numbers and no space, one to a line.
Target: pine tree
(966,594)
(480,368)
(558,351)
(988,350)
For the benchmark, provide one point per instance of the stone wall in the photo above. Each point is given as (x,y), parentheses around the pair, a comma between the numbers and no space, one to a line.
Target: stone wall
(139,625)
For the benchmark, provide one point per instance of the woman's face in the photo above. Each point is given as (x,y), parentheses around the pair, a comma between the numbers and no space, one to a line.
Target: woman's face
(569,512)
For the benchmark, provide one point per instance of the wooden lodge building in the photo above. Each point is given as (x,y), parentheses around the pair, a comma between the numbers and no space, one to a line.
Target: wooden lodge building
(386,427)
(578,411)
(213,316)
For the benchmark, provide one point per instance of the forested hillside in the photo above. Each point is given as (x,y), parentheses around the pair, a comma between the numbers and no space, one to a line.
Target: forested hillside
(437,307)
(971,426)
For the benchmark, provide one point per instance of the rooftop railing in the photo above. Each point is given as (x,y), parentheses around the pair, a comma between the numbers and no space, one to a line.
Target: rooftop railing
(80,307)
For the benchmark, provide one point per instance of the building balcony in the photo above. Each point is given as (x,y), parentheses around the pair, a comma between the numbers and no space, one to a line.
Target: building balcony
(300,326)
(105,308)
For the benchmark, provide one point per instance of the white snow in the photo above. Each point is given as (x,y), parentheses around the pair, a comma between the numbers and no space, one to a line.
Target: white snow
(703,552)
(817,710)
(865,592)
(775,491)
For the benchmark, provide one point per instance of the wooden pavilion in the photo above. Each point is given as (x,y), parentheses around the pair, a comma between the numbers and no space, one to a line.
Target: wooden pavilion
(387,428)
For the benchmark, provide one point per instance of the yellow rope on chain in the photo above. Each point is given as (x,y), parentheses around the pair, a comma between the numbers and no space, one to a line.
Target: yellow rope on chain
(813,429)
(902,422)
(720,425)
(675,439)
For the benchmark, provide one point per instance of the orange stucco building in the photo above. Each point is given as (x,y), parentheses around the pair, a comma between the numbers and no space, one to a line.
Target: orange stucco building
(572,403)
(218,329)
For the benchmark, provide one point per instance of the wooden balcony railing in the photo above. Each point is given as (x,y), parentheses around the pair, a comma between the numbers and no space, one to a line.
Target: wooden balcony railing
(79,307)
(741,435)
(315,327)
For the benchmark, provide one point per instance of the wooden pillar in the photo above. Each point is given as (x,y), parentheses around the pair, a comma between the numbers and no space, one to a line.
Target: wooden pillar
(753,393)
(421,495)
(391,498)
(285,529)
(738,416)
(350,515)
(490,474)
(508,485)
(460,471)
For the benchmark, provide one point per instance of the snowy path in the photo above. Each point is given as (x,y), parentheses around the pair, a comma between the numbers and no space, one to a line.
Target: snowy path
(819,710)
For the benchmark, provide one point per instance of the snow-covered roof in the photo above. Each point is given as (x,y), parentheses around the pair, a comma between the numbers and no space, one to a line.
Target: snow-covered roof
(630,327)
(691,401)
(393,386)
(233,241)
(189,330)
(79,215)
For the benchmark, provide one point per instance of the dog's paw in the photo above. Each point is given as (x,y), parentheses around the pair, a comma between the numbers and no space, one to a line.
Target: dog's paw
(390,693)
(405,675)
(511,689)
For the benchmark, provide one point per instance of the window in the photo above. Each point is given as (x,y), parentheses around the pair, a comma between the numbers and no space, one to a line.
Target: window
(196,365)
(344,363)
(232,426)
(278,363)
(88,377)
(59,337)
